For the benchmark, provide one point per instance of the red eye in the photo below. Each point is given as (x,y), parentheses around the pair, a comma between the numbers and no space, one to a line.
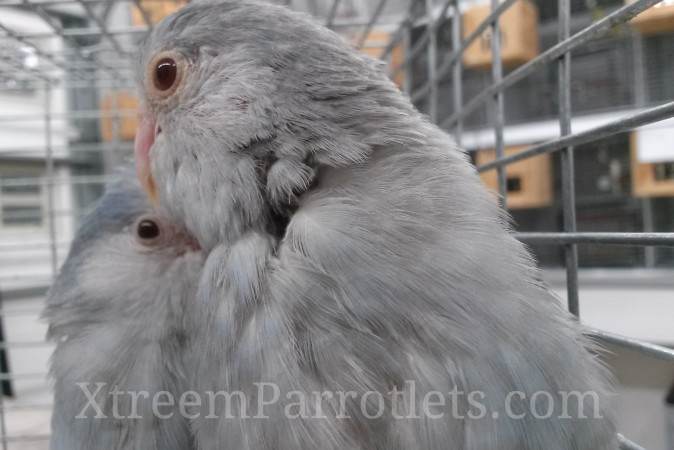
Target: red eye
(165,74)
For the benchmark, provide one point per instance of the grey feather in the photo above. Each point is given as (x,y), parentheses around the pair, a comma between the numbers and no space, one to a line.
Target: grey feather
(118,313)
(394,263)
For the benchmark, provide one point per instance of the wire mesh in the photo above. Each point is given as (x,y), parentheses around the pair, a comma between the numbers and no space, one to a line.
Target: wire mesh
(77,52)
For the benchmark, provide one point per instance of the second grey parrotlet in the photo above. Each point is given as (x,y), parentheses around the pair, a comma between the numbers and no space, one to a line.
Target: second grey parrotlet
(352,249)
(119,312)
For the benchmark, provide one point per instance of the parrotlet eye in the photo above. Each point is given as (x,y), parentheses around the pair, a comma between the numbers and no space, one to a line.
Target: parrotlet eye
(148,231)
(165,74)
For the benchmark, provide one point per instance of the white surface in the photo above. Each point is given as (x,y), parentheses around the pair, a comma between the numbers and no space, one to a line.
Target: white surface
(535,132)
(640,405)
(33,391)
(642,313)
(655,142)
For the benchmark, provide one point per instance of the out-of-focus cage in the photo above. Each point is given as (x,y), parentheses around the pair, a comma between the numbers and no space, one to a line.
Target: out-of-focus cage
(555,101)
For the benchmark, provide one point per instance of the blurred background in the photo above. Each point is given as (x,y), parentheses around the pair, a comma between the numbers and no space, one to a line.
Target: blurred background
(68,118)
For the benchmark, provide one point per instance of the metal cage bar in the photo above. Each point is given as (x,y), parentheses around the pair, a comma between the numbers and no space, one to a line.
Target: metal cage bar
(598,28)
(568,171)
(432,46)
(615,238)
(645,117)
(371,23)
(456,68)
(498,105)
(453,58)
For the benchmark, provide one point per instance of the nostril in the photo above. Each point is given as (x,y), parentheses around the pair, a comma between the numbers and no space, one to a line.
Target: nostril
(157,130)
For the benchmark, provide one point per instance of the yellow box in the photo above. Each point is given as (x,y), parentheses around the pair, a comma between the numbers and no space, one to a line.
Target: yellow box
(644,177)
(519,35)
(375,44)
(529,181)
(156,10)
(125,104)
(656,19)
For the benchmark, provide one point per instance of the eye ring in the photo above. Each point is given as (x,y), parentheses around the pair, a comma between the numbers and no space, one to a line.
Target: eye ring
(148,231)
(165,74)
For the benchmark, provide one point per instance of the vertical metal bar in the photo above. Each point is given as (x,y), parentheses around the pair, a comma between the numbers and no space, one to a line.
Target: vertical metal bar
(371,23)
(49,177)
(3,423)
(116,123)
(6,388)
(568,178)
(313,7)
(333,13)
(640,101)
(640,95)
(669,402)
(457,69)
(432,62)
(6,383)
(407,45)
(499,119)
(650,257)
(399,33)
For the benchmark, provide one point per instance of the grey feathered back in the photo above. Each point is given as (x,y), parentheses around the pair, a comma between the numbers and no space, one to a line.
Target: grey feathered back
(395,263)
(117,312)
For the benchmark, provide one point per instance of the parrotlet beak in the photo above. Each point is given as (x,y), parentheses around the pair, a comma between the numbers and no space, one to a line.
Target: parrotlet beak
(145,137)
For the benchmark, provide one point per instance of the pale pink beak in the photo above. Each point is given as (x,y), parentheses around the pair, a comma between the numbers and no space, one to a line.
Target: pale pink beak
(145,137)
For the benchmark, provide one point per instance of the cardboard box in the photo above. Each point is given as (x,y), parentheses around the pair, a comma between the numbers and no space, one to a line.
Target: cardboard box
(519,35)
(126,105)
(650,179)
(529,181)
(375,44)
(656,19)
(156,10)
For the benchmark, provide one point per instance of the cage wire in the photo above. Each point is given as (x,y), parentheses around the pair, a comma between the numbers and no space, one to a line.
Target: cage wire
(76,60)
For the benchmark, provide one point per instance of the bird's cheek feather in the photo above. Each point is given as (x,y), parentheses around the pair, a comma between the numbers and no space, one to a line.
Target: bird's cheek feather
(145,137)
